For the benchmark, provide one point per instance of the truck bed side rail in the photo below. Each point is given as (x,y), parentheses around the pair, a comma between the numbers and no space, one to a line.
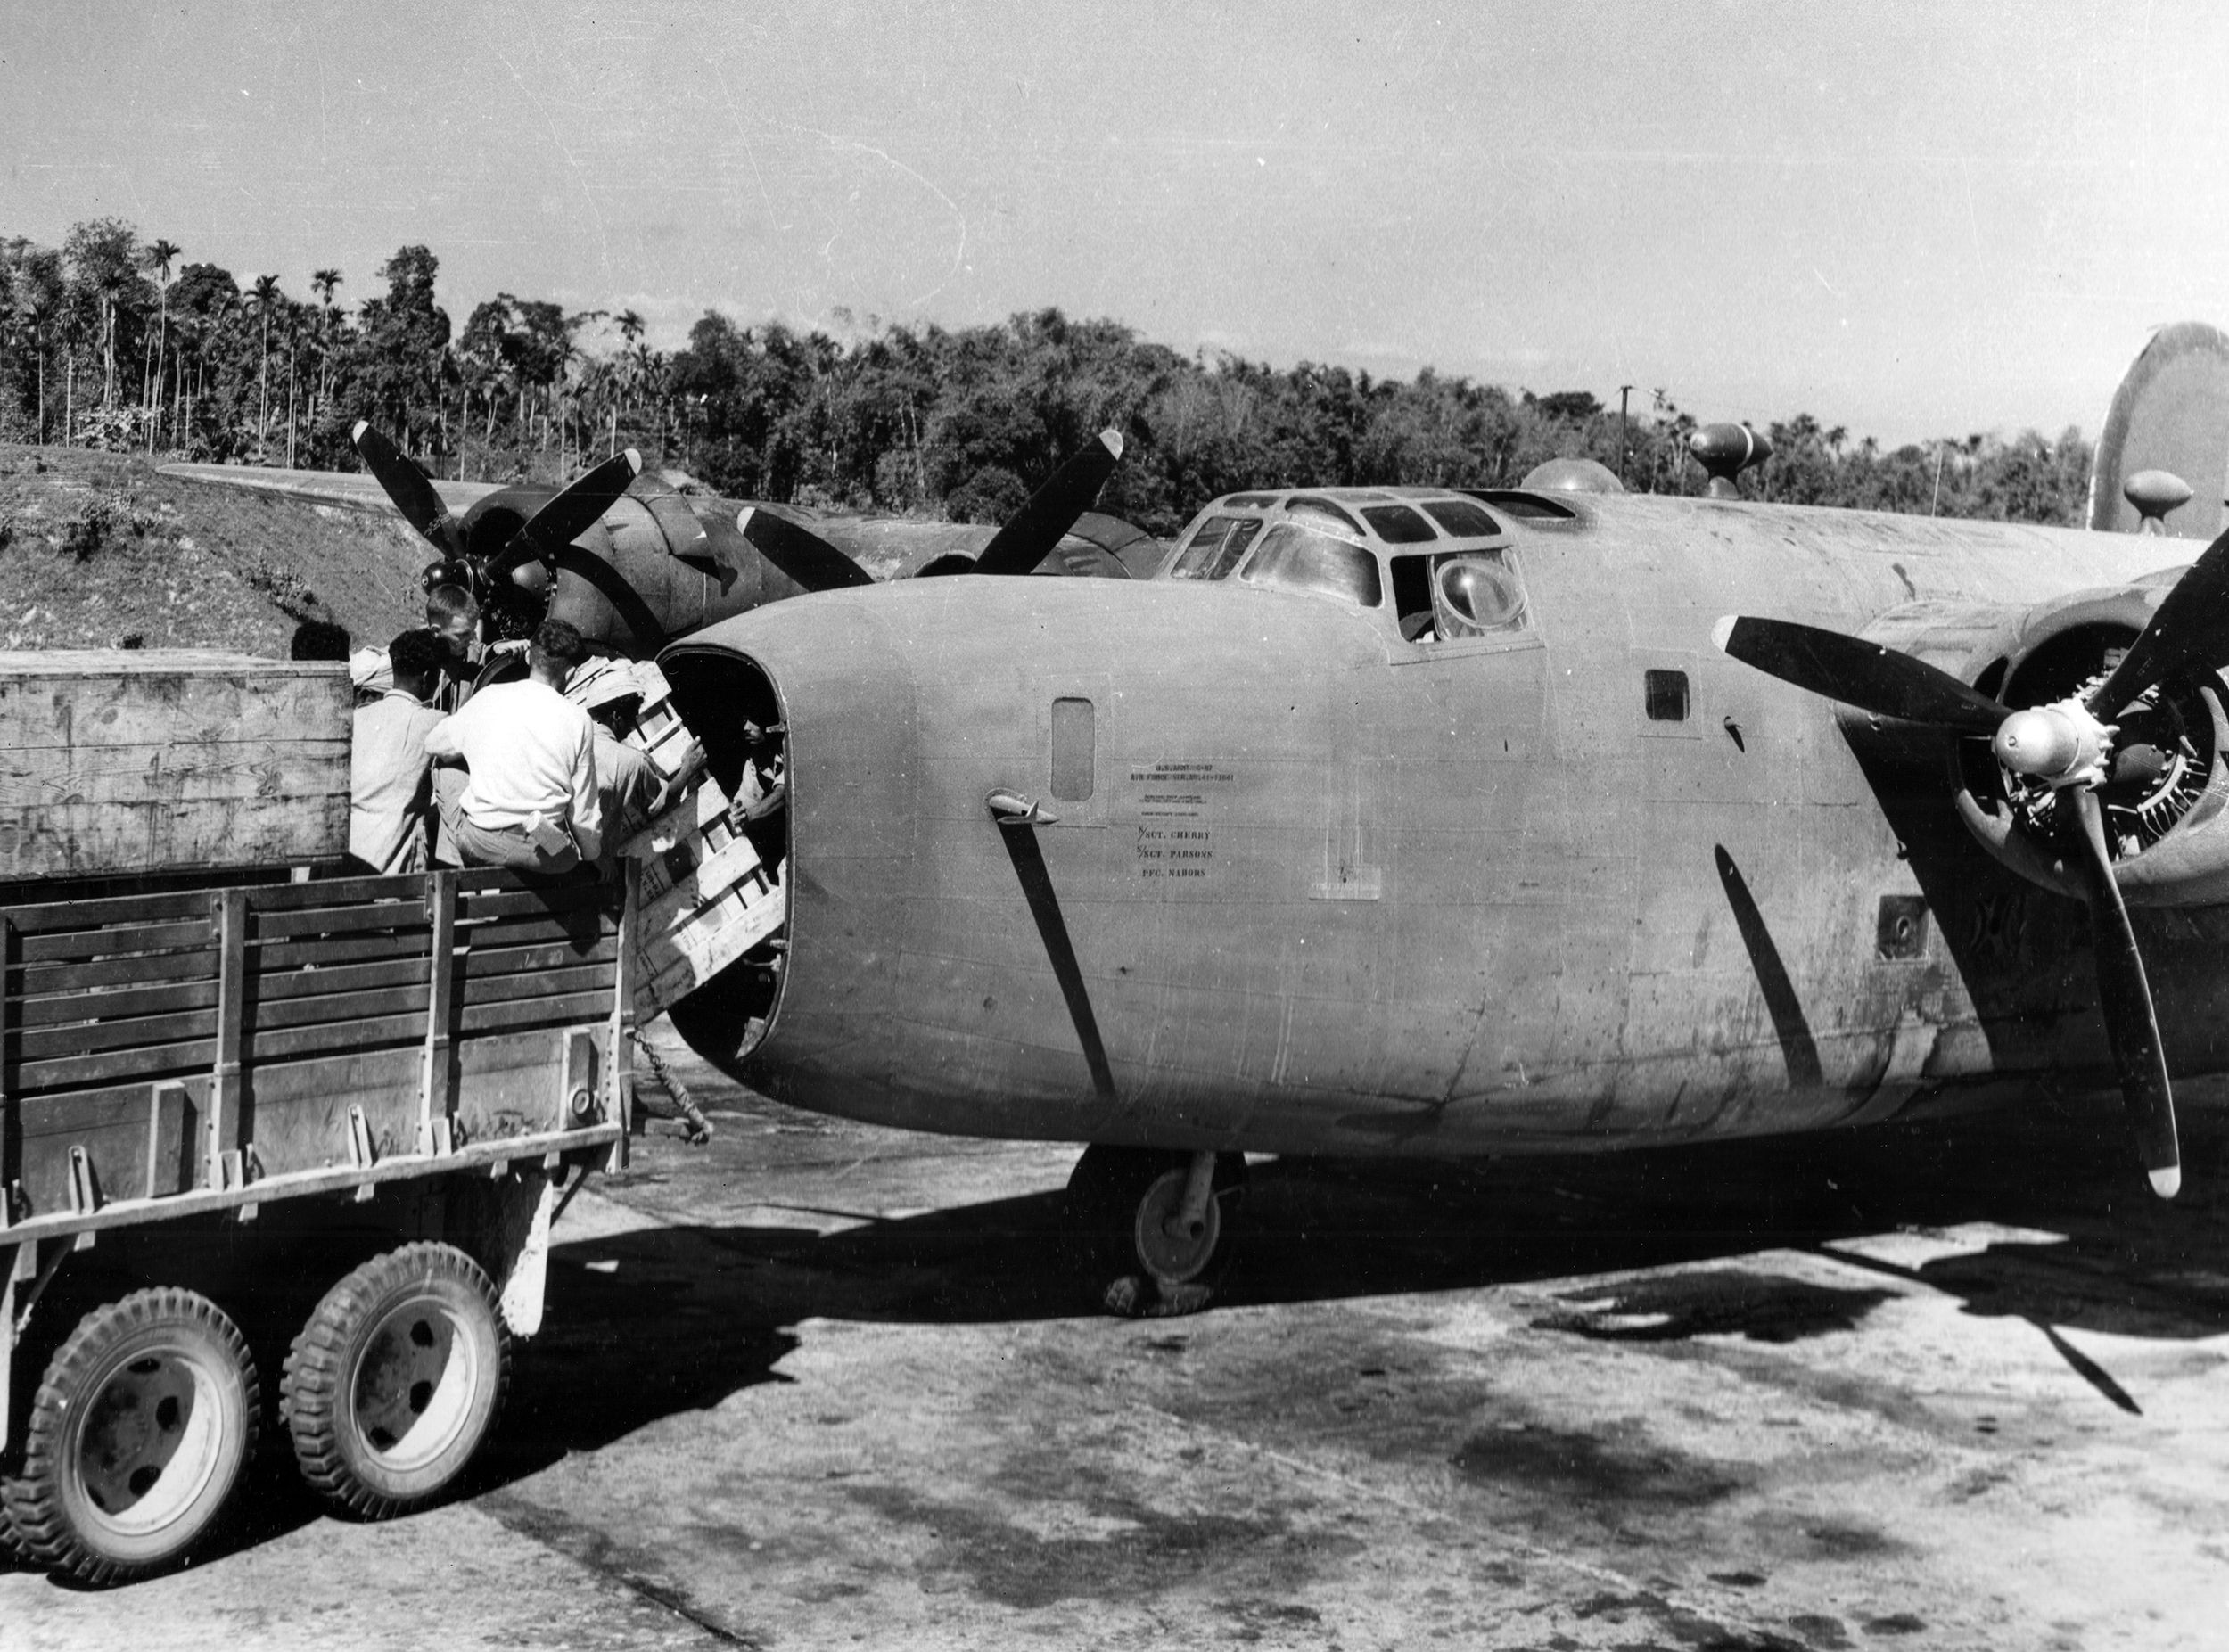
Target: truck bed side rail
(175,1052)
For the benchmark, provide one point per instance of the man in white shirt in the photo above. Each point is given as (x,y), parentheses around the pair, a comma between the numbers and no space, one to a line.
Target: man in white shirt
(391,793)
(529,798)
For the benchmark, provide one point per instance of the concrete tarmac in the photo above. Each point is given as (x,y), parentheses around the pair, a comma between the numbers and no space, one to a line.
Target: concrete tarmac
(817,1384)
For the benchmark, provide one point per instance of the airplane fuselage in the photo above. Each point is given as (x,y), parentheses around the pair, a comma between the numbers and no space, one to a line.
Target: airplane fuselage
(1576,881)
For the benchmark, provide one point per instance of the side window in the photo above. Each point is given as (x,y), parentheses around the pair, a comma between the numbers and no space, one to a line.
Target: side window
(1458,594)
(1664,695)
(1294,558)
(1073,754)
(1216,548)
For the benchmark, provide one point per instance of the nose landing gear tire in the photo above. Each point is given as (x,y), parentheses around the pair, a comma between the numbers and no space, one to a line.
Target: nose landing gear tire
(138,1435)
(1124,1206)
(396,1380)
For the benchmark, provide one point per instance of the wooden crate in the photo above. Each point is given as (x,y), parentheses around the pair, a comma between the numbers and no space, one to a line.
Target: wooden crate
(660,734)
(703,897)
(116,761)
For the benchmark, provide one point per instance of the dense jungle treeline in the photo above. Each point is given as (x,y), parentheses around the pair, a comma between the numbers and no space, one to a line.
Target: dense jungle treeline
(113,342)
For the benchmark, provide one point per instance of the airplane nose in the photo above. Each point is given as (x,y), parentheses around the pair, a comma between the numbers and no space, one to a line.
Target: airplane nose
(816,685)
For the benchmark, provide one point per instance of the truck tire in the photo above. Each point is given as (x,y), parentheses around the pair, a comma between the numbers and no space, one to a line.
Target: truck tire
(136,1437)
(396,1380)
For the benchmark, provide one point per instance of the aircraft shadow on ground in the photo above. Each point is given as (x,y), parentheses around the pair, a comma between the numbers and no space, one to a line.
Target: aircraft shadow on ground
(663,1320)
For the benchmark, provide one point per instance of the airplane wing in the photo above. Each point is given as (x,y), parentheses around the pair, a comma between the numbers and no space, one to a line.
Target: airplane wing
(359,490)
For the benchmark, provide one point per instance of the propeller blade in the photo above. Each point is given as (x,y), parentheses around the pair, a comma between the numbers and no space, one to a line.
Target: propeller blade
(799,551)
(1019,545)
(1859,673)
(407,487)
(2132,1027)
(2191,627)
(570,514)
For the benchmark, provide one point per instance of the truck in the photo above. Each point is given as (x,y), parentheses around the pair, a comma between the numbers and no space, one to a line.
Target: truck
(280,1150)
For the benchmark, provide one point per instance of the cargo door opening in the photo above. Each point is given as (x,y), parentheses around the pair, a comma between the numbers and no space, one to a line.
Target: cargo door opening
(715,868)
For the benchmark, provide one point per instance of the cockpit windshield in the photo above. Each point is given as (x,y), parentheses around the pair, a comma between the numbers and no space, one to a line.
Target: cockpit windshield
(1297,558)
(1216,548)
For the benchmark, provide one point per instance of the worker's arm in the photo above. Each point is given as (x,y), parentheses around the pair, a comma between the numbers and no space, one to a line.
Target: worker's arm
(445,738)
(588,820)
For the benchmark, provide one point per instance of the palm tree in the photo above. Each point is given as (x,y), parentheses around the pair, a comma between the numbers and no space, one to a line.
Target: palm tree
(630,331)
(42,312)
(110,287)
(323,282)
(159,252)
(266,295)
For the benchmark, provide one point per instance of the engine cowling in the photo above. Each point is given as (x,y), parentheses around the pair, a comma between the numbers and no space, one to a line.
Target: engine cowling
(2167,767)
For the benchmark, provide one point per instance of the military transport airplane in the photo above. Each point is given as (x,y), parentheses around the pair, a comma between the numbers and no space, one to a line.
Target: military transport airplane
(1445,821)
(635,561)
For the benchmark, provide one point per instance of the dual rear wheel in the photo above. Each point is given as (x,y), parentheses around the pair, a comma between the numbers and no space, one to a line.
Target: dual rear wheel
(395,1380)
(136,1437)
(147,1415)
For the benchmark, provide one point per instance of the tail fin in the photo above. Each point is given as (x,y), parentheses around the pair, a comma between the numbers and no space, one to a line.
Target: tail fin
(2170,414)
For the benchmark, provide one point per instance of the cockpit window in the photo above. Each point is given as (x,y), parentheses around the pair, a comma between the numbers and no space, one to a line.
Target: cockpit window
(1458,594)
(1256,501)
(1305,504)
(1397,524)
(1216,547)
(1462,518)
(1295,557)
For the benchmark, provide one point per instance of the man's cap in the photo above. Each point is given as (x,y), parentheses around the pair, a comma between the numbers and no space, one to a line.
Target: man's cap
(370,669)
(599,682)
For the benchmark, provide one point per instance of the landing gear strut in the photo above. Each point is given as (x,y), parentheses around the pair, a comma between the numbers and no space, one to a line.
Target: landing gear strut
(1156,1226)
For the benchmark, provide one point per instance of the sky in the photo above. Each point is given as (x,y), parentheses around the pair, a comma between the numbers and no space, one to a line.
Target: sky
(1909,220)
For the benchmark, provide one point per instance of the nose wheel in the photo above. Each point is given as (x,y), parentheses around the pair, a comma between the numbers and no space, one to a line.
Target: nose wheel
(1155,1228)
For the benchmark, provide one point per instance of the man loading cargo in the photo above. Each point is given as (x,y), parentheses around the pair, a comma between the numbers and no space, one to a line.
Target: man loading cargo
(391,795)
(528,797)
(452,614)
(629,789)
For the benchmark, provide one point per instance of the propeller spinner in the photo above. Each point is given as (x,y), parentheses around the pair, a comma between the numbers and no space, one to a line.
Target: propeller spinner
(2068,747)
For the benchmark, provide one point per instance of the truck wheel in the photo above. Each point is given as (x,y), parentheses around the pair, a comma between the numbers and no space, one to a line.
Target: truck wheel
(395,1379)
(1122,1200)
(136,1437)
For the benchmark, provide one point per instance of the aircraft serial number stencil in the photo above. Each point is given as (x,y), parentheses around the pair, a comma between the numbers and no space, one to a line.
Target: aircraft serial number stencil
(1176,829)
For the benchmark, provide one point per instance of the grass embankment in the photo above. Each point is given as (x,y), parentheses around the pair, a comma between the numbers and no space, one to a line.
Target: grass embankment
(98,550)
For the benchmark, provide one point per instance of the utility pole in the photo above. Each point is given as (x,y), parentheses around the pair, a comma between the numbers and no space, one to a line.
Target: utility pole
(1625,395)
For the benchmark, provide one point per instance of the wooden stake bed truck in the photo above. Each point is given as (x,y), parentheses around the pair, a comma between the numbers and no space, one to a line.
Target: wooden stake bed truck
(265,1139)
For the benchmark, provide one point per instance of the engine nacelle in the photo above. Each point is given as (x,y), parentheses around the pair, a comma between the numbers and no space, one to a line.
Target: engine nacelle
(2166,771)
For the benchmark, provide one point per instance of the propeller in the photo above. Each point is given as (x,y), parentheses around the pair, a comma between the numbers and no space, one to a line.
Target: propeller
(2066,746)
(408,486)
(1033,530)
(1020,544)
(2132,1026)
(563,518)
(539,541)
